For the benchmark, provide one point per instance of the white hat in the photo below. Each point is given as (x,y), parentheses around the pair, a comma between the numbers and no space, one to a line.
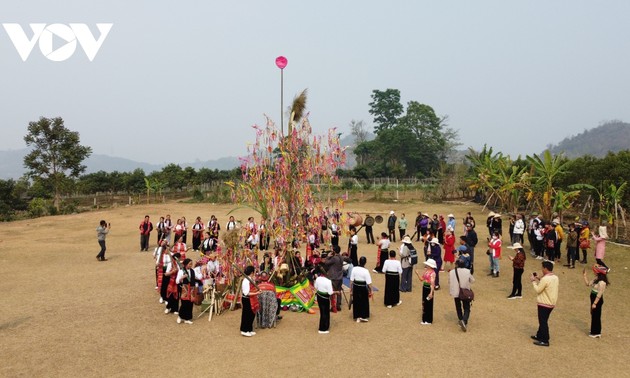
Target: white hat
(406,240)
(497,215)
(516,246)
(450,228)
(434,240)
(451,216)
(391,212)
(491,214)
(431,263)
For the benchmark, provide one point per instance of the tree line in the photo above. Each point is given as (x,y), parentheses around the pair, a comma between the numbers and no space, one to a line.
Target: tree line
(411,141)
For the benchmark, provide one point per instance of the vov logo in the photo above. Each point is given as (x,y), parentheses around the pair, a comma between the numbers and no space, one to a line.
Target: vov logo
(45,35)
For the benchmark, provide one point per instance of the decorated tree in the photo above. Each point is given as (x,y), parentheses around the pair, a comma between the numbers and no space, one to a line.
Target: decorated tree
(285,174)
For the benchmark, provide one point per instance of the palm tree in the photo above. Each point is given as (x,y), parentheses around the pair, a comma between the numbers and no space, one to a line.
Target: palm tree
(613,196)
(545,170)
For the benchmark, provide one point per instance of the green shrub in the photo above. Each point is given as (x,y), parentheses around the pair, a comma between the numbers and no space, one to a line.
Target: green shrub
(38,207)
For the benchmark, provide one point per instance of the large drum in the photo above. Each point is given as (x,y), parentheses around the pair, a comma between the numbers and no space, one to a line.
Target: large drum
(355,220)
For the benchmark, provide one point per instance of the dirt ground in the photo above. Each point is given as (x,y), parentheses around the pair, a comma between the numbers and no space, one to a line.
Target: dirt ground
(65,314)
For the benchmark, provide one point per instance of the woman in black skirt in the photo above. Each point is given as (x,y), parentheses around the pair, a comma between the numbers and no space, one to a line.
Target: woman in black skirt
(187,283)
(392,270)
(248,290)
(360,289)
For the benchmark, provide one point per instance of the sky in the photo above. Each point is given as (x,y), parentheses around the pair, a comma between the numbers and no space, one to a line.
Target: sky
(179,81)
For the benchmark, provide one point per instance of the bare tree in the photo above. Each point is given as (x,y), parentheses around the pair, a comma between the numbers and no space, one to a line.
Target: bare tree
(358,130)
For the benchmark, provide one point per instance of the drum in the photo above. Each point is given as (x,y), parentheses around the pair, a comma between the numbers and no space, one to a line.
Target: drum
(355,220)
(378,219)
(369,221)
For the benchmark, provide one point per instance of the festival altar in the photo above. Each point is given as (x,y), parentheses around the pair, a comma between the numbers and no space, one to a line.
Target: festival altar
(302,294)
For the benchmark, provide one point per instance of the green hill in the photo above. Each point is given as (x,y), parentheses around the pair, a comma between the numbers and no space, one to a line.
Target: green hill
(613,136)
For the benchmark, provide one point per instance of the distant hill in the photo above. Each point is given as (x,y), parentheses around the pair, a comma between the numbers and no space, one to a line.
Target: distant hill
(611,136)
(12,164)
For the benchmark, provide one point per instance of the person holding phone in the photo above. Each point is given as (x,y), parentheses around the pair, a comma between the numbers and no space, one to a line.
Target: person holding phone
(101,233)
(547,295)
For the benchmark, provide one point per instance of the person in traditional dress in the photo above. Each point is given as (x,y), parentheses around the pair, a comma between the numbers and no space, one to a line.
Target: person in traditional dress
(428,289)
(168,227)
(266,265)
(392,270)
(353,245)
(264,236)
(382,252)
(184,226)
(160,231)
(249,292)
(324,289)
(180,247)
(172,291)
(231,224)
(145,232)
(360,290)
(214,227)
(187,283)
(598,285)
(162,257)
(334,232)
(208,244)
(197,230)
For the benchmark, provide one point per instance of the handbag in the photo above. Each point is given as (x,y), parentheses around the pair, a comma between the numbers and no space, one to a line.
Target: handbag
(585,244)
(464,294)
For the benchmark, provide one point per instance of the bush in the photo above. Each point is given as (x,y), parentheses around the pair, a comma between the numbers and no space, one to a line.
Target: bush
(38,207)
(347,185)
(197,196)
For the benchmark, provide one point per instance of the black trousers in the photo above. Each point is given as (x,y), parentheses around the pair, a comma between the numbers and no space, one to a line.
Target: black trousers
(392,234)
(101,254)
(144,241)
(402,232)
(543,323)
(517,284)
(324,312)
(596,315)
(369,235)
(247,316)
(463,309)
(427,305)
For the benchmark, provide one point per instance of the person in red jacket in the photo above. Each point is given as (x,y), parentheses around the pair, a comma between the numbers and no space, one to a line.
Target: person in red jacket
(494,254)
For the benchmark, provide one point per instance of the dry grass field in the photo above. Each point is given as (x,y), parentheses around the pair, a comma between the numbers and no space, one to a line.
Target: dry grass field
(64,314)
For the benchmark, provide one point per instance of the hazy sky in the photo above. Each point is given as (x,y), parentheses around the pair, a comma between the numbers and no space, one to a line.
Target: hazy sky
(176,81)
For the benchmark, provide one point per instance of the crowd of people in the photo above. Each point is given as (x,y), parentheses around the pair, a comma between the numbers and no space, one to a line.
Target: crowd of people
(180,280)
